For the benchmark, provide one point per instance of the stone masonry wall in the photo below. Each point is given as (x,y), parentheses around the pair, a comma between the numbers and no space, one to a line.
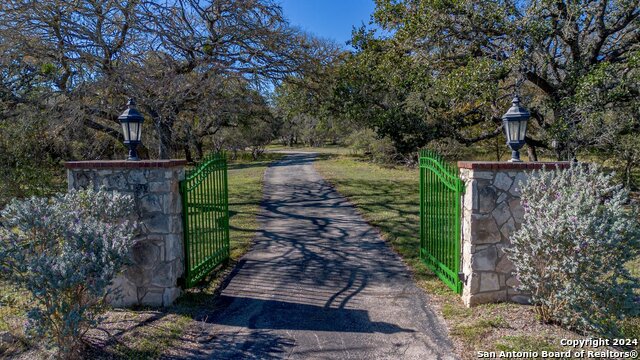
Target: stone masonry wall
(157,254)
(491,212)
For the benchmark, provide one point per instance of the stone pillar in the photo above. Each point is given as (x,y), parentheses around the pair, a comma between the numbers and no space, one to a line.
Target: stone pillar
(157,254)
(491,212)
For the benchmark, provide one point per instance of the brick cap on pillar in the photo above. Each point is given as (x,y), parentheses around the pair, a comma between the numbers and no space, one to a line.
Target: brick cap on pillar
(124,164)
(502,165)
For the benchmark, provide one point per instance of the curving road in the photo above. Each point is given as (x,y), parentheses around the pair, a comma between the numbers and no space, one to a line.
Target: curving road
(320,283)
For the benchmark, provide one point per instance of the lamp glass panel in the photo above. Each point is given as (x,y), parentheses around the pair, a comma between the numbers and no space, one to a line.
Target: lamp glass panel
(125,131)
(133,127)
(139,135)
(523,130)
(513,130)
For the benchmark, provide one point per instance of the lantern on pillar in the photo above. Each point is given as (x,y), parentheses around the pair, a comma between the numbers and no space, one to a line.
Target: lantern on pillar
(131,121)
(515,127)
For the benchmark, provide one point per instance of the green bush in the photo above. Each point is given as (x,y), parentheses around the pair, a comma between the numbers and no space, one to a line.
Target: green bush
(367,142)
(65,252)
(570,253)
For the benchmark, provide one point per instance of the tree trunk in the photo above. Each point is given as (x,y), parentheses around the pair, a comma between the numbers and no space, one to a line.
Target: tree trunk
(187,153)
(531,151)
(199,149)
(164,131)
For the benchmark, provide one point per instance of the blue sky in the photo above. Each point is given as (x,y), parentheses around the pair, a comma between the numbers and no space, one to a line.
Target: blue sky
(330,19)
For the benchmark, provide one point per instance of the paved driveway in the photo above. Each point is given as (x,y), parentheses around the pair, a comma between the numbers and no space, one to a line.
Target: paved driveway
(320,283)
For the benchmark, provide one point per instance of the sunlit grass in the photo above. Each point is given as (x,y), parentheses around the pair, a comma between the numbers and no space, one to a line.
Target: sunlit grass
(245,195)
(328,149)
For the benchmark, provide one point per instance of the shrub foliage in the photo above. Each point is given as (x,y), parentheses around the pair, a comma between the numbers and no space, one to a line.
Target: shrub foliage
(65,251)
(570,253)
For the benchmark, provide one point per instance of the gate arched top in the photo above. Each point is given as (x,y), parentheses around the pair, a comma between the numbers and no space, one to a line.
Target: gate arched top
(211,163)
(447,174)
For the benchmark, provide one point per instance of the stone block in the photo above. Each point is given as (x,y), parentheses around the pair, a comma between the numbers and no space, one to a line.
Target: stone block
(151,297)
(71,176)
(470,198)
(520,179)
(472,283)
(82,180)
(176,224)
(508,229)
(151,203)
(137,275)
(521,299)
(125,292)
(162,186)
(170,295)
(487,197)
(503,181)
(154,174)
(517,211)
(174,247)
(168,204)
(504,266)
(140,190)
(117,181)
(466,227)
(489,281)
(486,297)
(484,230)
(485,259)
(501,213)
(146,253)
(479,174)
(164,275)
(513,282)
(157,223)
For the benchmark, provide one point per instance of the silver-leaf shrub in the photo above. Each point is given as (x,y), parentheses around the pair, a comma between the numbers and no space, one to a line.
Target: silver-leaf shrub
(65,251)
(570,253)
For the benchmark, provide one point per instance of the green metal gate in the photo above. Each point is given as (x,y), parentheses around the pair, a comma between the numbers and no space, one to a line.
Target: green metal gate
(440,191)
(205,209)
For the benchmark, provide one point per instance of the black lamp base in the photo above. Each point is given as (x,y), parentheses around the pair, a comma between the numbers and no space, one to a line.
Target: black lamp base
(515,156)
(133,154)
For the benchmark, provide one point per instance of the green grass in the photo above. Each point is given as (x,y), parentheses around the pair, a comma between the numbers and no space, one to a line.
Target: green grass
(13,305)
(245,194)
(475,332)
(526,343)
(327,149)
(150,341)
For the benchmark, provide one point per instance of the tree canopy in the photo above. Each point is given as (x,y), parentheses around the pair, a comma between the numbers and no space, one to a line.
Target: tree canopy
(447,69)
(186,61)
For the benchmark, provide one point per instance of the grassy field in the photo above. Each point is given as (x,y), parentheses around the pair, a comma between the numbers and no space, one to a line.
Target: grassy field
(388,199)
(328,149)
(147,333)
